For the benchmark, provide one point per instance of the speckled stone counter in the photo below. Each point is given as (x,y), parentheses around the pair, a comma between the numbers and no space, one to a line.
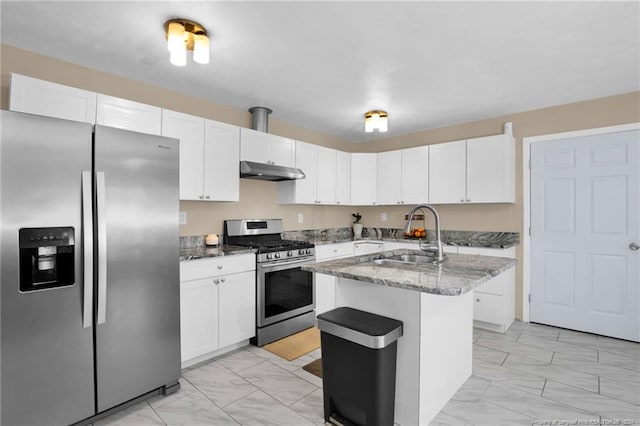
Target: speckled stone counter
(192,248)
(457,275)
(454,238)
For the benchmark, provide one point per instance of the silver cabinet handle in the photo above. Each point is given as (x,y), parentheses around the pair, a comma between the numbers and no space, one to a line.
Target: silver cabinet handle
(102,247)
(219,266)
(222,280)
(477,300)
(87,251)
(462,200)
(207,197)
(201,196)
(468,200)
(216,281)
(634,246)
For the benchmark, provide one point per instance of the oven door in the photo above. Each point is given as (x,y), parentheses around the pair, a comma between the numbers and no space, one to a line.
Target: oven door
(284,290)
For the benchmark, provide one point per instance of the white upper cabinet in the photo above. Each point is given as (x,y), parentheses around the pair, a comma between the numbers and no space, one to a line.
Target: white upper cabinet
(343,178)
(40,97)
(364,177)
(129,115)
(389,177)
(190,130)
(262,147)
(319,185)
(479,170)
(447,173)
(415,175)
(209,156)
(221,161)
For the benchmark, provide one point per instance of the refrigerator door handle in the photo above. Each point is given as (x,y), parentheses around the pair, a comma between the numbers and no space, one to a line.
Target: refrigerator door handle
(87,249)
(102,247)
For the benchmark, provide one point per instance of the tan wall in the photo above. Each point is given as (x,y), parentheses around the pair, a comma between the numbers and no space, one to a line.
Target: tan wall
(258,199)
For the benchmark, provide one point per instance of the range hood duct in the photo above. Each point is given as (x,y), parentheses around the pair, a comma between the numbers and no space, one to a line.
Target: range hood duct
(264,171)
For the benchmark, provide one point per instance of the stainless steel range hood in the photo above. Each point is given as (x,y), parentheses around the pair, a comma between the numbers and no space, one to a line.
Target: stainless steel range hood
(265,171)
(272,172)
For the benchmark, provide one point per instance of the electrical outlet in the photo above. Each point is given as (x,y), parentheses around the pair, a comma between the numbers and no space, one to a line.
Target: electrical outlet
(300,218)
(383,216)
(183,218)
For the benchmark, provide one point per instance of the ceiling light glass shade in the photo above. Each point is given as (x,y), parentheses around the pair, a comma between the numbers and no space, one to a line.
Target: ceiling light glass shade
(175,37)
(375,120)
(178,57)
(201,49)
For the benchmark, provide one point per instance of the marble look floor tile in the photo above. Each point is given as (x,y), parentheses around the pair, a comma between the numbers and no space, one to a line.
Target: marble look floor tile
(239,360)
(534,406)
(486,354)
(532,329)
(515,348)
(484,413)
(472,390)
(311,407)
(219,384)
(596,368)
(443,419)
(619,360)
(624,391)
(139,415)
(194,410)
(260,409)
(590,401)
(577,337)
(510,336)
(315,354)
(549,371)
(292,365)
(625,347)
(186,388)
(311,378)
(562,347)
(509,377)
(286,387)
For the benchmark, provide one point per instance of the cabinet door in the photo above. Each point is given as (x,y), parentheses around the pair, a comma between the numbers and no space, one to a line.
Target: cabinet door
(325,293)
(125,114)
(190,130)
(447,173)
(343,178)
(254,146)
(366,248)
(491,169)
(198,318)
(237,307)
(41,97)
(415,175)
(305,189)
(364,176)
(221,161)
(282,151)
(325,174)
(389,177)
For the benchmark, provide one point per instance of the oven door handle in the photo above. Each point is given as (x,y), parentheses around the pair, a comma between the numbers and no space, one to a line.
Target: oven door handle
(277,264)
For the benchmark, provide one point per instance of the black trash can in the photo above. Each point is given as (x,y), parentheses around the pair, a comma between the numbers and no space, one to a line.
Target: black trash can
(358,366)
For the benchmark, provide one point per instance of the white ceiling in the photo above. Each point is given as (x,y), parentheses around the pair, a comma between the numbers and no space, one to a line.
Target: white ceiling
(322,65)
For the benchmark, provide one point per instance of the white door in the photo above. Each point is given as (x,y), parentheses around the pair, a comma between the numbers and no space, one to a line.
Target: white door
(343,178)
(584,221)
(237,307)
(325,172)
(389,177)
(415,175)
(221,159)
(447,172)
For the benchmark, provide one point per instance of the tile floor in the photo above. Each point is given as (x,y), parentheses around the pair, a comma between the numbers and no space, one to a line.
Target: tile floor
(531,375)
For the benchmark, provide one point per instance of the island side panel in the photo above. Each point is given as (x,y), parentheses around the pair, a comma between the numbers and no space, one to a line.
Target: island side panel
(403,305)
(446,340)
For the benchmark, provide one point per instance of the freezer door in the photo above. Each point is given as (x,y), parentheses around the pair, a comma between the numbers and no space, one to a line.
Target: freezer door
(46,352)
(138,309)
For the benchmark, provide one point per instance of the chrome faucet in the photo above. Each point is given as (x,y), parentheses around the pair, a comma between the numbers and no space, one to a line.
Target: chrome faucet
(437,247)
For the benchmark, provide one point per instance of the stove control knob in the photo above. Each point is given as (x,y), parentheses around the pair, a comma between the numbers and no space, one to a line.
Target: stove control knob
(269,256)
(301,251)
(308,251)
(277,255)
(289,253)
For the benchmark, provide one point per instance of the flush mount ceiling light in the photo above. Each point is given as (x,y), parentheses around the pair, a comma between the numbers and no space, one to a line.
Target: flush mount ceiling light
(375,120)
(183,35)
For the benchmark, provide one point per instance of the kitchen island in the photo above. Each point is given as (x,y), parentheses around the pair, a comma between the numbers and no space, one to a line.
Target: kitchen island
(435,304)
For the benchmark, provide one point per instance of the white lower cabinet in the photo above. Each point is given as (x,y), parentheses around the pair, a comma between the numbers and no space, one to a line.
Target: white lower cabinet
(367,247)
(217,305)
(326,284)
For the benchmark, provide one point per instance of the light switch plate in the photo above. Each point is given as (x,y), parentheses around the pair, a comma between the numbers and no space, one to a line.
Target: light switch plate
(300,218)
(383,216)
(183,218)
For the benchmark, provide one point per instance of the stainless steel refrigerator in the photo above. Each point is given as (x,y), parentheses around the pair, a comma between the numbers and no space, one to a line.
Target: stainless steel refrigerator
(89,259)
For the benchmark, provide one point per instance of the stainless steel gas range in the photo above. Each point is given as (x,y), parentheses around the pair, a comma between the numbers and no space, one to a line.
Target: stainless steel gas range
(285,293)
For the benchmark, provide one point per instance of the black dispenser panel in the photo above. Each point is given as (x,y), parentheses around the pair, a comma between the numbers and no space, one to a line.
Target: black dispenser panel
(46,258)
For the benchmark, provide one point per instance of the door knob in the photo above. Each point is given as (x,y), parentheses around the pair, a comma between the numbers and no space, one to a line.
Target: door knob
(634,246)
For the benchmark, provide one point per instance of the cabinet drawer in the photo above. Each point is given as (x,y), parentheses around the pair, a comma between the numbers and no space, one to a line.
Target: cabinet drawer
(488,308)
(330,251)
(488,251)
(202,268)
(493,286)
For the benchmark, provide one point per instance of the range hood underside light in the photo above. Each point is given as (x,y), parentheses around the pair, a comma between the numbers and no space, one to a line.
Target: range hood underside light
(270,172)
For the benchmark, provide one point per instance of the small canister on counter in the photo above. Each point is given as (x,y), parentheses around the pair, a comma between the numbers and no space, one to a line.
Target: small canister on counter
(211,240)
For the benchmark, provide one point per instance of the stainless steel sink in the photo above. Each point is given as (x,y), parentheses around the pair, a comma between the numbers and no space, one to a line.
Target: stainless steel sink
(407,259)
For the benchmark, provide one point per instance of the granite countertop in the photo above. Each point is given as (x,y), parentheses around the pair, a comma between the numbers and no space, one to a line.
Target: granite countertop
(453,238)
(201,252)
(458,274)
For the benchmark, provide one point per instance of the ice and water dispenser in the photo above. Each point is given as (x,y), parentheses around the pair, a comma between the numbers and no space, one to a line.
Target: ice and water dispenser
(46,258)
